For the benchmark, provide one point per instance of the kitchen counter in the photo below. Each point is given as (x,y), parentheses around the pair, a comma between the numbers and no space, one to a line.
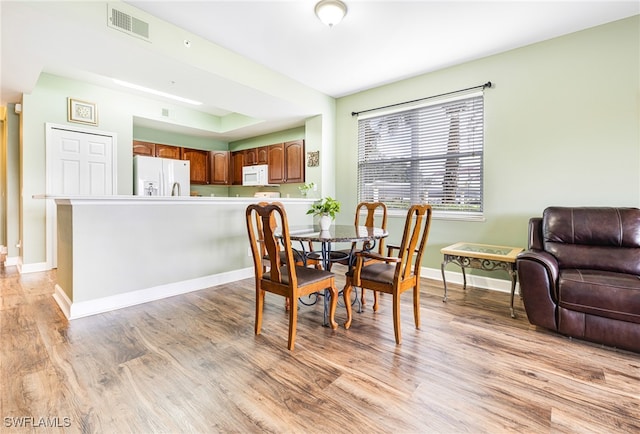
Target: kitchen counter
(118,251)
(174,199)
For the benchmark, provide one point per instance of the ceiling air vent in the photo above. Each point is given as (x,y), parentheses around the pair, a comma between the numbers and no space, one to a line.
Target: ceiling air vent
(127,23)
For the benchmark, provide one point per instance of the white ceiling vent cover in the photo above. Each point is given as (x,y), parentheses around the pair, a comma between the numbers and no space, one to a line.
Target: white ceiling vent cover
(129,24)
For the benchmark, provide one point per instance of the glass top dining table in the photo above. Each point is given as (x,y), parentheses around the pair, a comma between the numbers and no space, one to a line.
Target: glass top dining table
(335,234)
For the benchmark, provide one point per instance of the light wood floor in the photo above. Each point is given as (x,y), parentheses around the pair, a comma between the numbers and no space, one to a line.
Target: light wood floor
(191,363)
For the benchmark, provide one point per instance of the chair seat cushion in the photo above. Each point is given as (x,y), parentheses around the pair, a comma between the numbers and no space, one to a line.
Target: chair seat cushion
(603,293)
(380,272)
(305,275)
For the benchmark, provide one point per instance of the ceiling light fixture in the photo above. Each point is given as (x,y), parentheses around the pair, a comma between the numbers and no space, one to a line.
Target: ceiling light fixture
(331,12)
(155,92)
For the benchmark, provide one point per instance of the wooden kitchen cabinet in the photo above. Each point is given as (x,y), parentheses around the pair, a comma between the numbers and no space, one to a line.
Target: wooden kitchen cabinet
(219,164)
(253,156)
(286,162)
(237,162)
(294,161)
(275,154)
(168,151)
(262,155)
(144,148)
(198,165)
(156,150)
(250,157)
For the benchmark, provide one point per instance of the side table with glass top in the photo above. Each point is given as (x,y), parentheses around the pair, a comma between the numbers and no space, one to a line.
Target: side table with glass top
(481,257)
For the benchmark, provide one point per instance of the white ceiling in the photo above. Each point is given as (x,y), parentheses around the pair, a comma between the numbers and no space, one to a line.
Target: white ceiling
(378,42)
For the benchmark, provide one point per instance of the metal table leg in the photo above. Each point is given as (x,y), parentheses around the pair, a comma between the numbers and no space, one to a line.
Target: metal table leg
(514,278)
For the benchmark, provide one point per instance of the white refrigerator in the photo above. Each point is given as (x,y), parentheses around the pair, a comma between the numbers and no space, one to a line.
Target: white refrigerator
(160,176)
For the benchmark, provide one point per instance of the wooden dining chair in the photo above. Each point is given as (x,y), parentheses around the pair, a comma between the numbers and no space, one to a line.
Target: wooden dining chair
(280,278)
(298,255)
(370,221)
(394,274)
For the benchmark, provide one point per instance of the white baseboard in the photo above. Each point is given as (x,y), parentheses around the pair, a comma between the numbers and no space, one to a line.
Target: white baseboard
(11,260)
(483,282)
(74,310)
(63,301)
(35,267)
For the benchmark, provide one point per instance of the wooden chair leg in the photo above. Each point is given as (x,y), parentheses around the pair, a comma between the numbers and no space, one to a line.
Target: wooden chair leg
(346,293)
(333,305)
(293,323)
(396,318)
(375,301)
(362,296)
(259,307)
(416,306)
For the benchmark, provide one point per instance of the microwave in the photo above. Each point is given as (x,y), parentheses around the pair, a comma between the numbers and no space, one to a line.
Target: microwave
(255,175)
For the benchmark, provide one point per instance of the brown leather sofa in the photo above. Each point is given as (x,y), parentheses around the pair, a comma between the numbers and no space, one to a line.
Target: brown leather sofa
(581,274)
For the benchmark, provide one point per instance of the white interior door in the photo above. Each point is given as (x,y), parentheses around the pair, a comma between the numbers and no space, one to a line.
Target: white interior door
(79,163)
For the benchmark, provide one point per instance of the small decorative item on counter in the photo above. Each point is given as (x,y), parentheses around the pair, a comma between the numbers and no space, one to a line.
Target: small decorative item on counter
(327,209)
(306,188)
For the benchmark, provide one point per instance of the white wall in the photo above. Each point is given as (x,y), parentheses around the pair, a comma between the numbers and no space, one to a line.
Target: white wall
(115,252)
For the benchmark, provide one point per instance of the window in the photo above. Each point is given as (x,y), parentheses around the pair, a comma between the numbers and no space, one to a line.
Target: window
(428,154)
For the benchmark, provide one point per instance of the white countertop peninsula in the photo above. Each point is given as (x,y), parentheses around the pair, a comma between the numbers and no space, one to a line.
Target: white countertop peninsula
(118,251)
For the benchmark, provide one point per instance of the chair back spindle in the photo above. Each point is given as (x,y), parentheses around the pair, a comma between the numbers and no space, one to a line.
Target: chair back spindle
(414,240)
(370,219)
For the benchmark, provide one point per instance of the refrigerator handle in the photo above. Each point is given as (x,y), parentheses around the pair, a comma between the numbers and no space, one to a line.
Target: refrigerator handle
(162,183)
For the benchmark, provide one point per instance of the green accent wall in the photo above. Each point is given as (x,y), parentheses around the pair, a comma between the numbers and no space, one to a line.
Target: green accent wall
(177,139)
(562,127)
(268,139)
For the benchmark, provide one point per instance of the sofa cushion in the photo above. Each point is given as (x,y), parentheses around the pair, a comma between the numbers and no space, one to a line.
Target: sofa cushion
(603,293)
(593,238)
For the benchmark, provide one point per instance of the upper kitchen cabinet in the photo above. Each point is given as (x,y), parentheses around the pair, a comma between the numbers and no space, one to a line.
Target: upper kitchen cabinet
(276,163)
(237,162)
(262,155)
(199,165)
(250,157)
(286,162)
(144,148)
(156,150)
(168,151)
(255,156)
(294,161)
(219,166)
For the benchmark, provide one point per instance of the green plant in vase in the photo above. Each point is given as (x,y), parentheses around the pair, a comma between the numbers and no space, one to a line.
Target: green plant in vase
(326,208)
(306,188)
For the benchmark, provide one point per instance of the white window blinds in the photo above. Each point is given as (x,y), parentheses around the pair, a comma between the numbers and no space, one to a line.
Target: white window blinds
(429,154)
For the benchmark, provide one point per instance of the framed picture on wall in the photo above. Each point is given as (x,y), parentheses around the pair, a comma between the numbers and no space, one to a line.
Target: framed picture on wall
(82,112)
(313,159)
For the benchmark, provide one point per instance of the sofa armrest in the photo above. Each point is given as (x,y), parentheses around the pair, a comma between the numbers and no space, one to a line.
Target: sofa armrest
(538,276)
(535,233)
